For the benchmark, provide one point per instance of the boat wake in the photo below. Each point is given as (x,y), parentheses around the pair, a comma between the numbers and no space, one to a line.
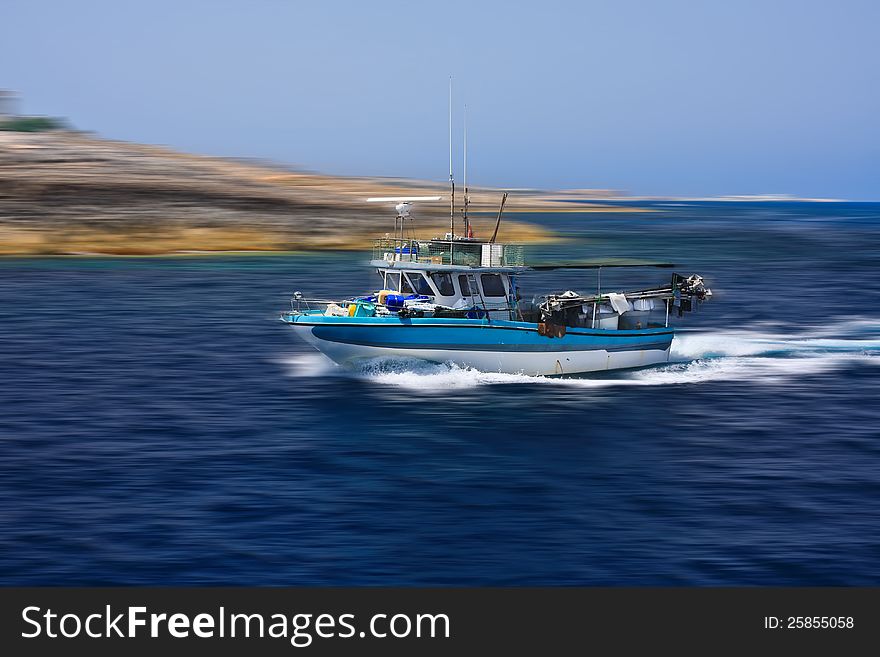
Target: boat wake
(762,354)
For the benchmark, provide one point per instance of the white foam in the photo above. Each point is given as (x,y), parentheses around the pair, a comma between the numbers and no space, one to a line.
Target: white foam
(747,343)
(436,378)
(760,355)
(859,336)
(310,364)
(430,377)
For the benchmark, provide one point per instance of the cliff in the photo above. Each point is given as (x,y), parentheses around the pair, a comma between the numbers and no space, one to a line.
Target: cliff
(64,192)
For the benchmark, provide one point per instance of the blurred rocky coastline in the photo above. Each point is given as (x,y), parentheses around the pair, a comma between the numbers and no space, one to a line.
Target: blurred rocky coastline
(69,192)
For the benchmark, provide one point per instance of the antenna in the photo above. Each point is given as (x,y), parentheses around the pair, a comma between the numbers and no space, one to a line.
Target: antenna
(451,180)
(450,130)
(467,227)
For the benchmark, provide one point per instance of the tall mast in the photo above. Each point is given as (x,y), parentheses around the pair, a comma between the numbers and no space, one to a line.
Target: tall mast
(451,179)
(451,184)
(467,231)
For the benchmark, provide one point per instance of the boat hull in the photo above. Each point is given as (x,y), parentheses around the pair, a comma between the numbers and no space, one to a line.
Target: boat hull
(497,346)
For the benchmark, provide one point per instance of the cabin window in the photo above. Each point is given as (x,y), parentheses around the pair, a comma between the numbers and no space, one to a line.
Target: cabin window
(420,284)
(493,286)
(444,284)
(405,287)
(464,286)
(392,282)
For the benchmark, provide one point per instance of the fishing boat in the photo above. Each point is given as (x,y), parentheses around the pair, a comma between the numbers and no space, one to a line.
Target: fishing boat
(456,299)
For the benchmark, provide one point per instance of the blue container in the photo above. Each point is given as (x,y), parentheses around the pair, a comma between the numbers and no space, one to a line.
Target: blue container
(394,300)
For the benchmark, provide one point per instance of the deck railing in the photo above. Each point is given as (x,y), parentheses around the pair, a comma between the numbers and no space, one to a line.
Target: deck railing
(449,252)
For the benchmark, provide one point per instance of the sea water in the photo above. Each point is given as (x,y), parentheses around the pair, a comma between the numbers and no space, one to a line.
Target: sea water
(159,425)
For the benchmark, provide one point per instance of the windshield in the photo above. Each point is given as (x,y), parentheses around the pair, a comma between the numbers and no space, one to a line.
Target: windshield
(444,284)
(420,284)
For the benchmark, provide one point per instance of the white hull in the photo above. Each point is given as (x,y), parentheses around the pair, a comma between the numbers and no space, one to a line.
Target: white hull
(544,363)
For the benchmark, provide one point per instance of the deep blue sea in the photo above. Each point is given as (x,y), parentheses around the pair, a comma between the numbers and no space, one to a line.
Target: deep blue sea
(159,425)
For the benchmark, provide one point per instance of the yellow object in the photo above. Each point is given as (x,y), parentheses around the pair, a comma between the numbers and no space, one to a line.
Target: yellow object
(352,309)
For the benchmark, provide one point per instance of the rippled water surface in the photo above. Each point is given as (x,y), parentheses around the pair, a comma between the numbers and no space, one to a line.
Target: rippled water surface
(158,425)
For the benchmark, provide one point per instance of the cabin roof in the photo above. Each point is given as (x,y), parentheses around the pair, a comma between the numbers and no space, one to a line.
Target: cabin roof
(424,266)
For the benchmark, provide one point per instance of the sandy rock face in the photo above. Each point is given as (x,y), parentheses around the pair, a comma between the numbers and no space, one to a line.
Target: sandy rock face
(70,192)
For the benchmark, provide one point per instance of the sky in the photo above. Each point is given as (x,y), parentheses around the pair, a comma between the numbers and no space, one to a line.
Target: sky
(665,98)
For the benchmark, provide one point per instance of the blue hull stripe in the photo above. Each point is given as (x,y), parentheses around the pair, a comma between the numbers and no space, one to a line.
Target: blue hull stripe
(518,347)
(476,335)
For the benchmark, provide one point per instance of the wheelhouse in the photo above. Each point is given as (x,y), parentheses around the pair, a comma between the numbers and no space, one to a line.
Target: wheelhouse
(453,287)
